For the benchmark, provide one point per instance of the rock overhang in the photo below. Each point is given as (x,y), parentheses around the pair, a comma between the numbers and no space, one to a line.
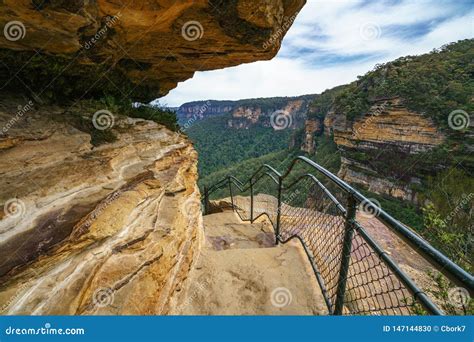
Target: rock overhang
(81,49)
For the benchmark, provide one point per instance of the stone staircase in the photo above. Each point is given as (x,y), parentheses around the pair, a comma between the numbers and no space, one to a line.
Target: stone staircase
(240,271)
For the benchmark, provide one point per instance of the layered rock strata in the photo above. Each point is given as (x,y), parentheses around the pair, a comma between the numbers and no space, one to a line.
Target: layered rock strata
(388,135)
(94,230)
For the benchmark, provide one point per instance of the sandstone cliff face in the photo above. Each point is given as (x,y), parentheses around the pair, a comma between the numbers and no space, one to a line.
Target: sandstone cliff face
(94,230)
(389,130)
(243,114)
(200,110)
(137,49)
(312,127)
(388,123)
(250,114)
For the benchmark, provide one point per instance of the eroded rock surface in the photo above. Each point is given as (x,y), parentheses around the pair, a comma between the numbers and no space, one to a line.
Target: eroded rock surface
(381,149)
(388,122)
(94,230)
(241,272)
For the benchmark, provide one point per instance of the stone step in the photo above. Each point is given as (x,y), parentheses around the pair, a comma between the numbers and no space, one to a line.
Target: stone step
(240,271)
(226,231)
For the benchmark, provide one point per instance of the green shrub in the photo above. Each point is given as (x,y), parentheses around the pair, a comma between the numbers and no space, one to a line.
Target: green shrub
(161,115)
(447,214)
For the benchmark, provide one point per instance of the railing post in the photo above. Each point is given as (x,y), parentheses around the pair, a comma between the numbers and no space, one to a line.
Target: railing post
(277,229)
(346,254)
(251,201)
(230,192)
(206,200)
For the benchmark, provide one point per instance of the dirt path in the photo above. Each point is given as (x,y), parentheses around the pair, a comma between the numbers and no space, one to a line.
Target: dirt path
(241,272)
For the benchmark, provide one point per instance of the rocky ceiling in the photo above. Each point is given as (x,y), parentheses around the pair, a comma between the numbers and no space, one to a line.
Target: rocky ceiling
(70,49)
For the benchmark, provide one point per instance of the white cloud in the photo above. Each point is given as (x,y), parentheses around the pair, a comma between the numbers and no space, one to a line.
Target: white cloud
(325,48)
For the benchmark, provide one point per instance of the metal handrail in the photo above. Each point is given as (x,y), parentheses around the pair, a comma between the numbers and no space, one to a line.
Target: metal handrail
(450,269)
(446,266)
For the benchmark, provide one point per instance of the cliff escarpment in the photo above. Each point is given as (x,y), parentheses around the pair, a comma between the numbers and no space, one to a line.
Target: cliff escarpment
(248,112)
(75,49)
(94,230)
(378,149)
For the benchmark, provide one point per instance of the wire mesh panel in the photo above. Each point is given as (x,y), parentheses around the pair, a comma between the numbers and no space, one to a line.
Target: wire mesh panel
(241,200)
(265,200)
(372,288)
(311,213)
(308,213)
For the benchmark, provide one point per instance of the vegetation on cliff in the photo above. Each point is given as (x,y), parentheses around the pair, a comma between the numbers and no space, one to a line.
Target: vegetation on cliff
(159,114)
(435,83)
(80,114)
(324,102)
(55,79)
(448,214)
(327,156)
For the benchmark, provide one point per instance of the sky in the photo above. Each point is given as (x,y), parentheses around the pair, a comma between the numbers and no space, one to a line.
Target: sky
(330,43)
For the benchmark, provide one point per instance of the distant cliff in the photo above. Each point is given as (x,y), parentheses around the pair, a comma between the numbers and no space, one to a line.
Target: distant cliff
(247,112)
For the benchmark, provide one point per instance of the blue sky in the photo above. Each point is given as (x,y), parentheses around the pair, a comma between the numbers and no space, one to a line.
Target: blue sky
(332,42)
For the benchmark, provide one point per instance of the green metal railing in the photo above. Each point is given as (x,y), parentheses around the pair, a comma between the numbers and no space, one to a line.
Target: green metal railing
(356,275)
